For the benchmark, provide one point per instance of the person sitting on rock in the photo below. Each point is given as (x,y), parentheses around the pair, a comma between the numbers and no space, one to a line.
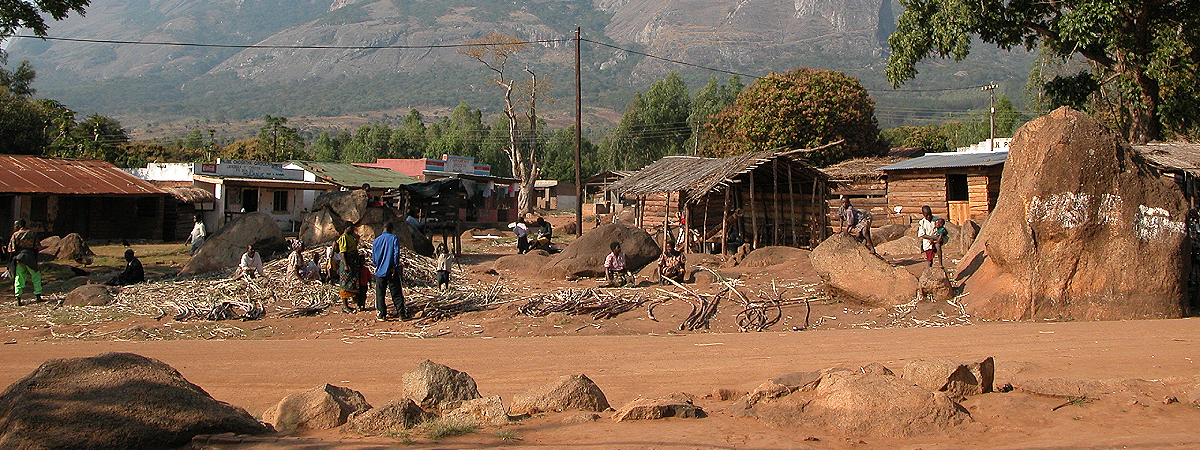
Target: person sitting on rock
(250,263)
(856,223)
(614,267)
(133,273)
(671,265)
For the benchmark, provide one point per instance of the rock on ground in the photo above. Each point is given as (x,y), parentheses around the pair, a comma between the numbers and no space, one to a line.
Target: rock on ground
(89,295)
(69,247)
(772,255)
(486,411)
(903,245)
(970,230)
(850,269)
(527,264)
(116,401)
(224,247)
(956,379)
(935,285)
(438,388)
(888,233)
(585,256)
(320,227)
(568,392)
(320,408)
(854,403)
(348,206)
(1083,230)
(397,415)
(675,405)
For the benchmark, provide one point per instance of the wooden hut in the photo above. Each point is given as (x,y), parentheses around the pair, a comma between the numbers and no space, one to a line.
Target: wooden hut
(759,198)
(1178,161)
(181,209)
(867,188)
(955,185)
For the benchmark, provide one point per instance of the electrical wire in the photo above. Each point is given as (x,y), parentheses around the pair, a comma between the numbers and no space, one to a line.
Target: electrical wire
(296,47)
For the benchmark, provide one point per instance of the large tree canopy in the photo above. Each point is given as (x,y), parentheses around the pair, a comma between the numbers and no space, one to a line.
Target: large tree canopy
(803,108)
(1150,45)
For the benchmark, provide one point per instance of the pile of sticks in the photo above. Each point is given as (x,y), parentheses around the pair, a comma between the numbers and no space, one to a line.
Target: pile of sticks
(432,306)
(224,310)
(598,302)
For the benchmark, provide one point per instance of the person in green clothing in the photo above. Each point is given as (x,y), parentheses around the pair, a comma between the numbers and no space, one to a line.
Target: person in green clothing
(24,247)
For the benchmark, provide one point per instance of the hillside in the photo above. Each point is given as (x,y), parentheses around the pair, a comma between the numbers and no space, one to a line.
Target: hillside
(171,83)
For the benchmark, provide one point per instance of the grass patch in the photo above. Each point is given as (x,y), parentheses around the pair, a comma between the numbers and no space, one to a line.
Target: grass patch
(438,429)
(508,435)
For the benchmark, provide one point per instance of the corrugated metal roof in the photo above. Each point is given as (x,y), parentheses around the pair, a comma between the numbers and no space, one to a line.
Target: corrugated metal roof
(1172,155)
(352,176)
(950,160)
(37,175)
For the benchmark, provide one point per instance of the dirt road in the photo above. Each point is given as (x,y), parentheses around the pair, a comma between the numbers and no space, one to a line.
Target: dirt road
(256,374)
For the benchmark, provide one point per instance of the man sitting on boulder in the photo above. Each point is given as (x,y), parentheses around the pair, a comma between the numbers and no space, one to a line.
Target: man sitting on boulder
(857,223)
(133,273)
(614,267)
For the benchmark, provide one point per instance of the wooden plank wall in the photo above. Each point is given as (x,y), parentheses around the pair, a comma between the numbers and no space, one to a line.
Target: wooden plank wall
(865,194)
(977,196)
(911,191)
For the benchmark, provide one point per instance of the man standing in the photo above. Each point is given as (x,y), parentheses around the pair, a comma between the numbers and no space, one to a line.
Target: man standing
(198,234)
(385,251)
(928,233)
(133,273)
(24,247)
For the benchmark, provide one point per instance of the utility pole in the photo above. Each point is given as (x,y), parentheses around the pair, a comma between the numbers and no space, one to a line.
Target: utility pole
(578,142)
(991,89)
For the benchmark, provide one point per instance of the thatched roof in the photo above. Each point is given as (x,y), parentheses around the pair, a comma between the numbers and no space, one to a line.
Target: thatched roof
(188,194)
(860,168)
(696,176)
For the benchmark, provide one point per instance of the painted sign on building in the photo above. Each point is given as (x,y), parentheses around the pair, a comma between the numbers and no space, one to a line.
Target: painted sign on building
(264,170)
(458,164)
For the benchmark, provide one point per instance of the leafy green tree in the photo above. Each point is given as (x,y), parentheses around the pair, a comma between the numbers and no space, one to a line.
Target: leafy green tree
(711,99)
(19,81)
(23,124)
(325,148)
(803,108)
(654,125)
(281,141)
(1151,46)
(410,140)
(18,14)
(1071,90)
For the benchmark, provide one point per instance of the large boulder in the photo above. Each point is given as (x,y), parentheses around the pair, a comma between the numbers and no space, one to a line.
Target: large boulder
(438,388)
(568,392)
(409,237)
(71,247)
(320,227)
(970,230)
(888,233)
(222,249)
(935,285)
(112,401)
(850,269)
(956,379)
(320,408)
(524,264)
(486,411)
(854,403)
(397,415)
(675,405)
(89,295)
(349,206)
(1083,229)
(772,255)
(901,246)
(585,256)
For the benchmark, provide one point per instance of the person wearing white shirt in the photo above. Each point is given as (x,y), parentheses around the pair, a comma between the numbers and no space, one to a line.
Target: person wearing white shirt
(198,235)
(927,232)
(251,263)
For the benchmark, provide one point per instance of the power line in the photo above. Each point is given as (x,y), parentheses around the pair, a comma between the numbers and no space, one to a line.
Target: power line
(671,60)
(297,47)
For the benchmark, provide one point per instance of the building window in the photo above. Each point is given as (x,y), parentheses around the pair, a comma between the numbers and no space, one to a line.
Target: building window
(38,210)
(249,200)
(281,201)
(956,188)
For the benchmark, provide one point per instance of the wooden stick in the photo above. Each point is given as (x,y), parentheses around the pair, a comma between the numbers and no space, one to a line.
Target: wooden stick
(792,202)
(725,223)
(778,211)
(753,214)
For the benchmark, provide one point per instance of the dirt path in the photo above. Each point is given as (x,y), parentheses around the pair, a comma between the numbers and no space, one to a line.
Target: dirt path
(256,374)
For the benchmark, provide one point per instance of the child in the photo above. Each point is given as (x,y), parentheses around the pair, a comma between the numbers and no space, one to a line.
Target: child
(614,266)
(939,233)
(444,262)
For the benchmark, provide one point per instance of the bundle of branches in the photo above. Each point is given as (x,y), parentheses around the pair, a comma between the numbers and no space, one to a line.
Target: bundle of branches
(224,310)
(418,270)
(311,307)
(434,306)
(599,303)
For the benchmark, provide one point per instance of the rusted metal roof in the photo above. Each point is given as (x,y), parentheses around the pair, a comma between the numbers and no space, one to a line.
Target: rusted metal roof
(1183,156)
(38,175)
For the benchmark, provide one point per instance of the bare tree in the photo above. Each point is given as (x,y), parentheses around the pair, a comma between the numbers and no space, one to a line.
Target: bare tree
(494,52)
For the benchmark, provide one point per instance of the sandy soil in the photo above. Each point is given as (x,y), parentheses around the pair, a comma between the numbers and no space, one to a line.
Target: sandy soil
(254,364)
(255,374)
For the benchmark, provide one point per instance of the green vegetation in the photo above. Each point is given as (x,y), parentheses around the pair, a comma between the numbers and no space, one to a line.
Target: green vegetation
(439,429)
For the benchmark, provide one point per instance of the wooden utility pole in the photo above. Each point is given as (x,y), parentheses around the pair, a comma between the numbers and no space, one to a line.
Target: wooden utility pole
(578,142)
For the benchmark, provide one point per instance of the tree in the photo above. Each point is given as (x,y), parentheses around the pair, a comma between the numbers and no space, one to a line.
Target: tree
(494,52)
(711,99)
(23,124)
(18,14)
(1145,44)
(20,80)
(654,125)
(803,108)
(280,141)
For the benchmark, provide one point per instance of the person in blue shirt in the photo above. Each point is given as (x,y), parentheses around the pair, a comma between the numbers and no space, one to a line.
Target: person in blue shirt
(385,252)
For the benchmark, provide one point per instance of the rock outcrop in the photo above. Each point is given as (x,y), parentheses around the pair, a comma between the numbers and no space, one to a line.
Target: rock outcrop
(568,392)
(319,408)
(851,270)
(224,247)
(438,388)
(585,256)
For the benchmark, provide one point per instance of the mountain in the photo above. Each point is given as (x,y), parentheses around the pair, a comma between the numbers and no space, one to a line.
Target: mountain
(137,82)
